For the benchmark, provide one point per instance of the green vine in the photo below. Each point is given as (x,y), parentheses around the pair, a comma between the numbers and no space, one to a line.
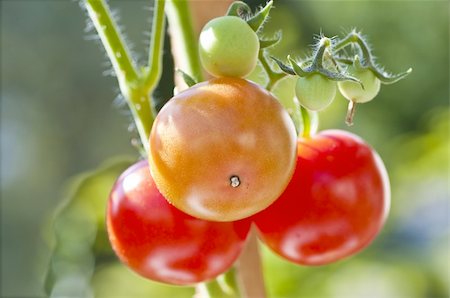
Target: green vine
(367,60)
(153,72)
(135,85)
(273,76)
(182,30)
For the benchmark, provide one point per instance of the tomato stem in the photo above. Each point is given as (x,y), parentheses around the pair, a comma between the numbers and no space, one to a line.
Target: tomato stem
(355,38)
(153,72)
(273,77)
(324,43)
(184,41)
(306,133)
(350,113)
(249,267)
(136,87)
(139,103)
(115,47)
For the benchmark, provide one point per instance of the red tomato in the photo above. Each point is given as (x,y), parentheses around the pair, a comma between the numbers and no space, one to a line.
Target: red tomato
(335,204)
(160,242)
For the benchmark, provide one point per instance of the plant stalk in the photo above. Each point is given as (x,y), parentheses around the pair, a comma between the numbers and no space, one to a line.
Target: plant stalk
(184,40)
(249,267)
(273,77)
(306,133)
(154,69)
(130,81)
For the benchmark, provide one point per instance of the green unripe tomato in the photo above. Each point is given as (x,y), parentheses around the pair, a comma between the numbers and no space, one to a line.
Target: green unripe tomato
(228,47)
(353,90)
(315,92)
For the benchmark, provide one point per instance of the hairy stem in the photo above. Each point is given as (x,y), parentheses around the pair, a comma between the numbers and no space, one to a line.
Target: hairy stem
(317,62)
(154,69)
(112,41)
(273,76)
(355,38)
(129,80)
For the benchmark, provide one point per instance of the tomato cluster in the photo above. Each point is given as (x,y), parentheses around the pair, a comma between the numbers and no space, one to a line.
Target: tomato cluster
(334,206)
(224,155)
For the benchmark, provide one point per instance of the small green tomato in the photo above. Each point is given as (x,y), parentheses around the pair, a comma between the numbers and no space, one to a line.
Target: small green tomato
(228,47)
(353,90)
(315,92)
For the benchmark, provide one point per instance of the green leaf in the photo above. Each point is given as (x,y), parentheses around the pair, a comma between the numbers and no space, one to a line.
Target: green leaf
(297,68)
(190,81)
(80,238)
(257,20)
(336,76)
(238,9)
(285,68)
(266,43)
(387,78)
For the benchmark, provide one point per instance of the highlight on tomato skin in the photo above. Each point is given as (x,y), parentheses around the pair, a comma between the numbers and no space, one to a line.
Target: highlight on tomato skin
(223,149)
(335,204)
(161,243)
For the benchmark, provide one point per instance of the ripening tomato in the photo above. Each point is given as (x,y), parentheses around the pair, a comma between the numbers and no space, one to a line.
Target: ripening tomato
(335,204)
(222,150)
(160,242)
(228,47)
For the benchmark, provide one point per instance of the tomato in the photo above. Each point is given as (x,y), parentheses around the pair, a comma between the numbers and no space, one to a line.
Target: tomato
(315,92)
(353,90)
(160,242)
(335,204)
(222,150)
(228,47)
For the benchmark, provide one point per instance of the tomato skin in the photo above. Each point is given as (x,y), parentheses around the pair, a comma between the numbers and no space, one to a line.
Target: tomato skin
(216,130)
(335,204)
(160,242)
(228,47)
(315,92)
(354,92)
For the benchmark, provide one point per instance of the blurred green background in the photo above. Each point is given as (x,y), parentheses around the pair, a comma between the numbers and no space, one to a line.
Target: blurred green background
(60,118)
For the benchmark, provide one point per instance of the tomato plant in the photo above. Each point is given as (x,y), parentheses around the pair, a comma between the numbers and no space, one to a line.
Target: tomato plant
(221,47)
(315,92)
(160,242)
(335,204)
(222,150)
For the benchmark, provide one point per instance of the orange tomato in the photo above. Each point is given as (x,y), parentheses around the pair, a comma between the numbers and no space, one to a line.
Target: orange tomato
(222,150)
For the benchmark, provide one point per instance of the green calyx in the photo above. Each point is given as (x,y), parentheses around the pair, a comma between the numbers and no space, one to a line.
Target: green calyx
(367,60)
(188,80)
(242,10)
(322,56)
(358,76)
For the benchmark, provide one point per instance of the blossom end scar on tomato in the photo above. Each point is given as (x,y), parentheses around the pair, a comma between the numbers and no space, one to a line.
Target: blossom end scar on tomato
(235,181)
